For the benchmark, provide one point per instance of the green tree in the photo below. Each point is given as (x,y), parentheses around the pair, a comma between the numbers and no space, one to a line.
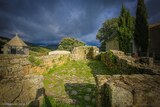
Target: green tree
(108,28)
(125,30)
(69,43)
(141,27)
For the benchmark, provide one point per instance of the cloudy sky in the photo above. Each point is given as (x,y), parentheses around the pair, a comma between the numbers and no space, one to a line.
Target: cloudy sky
(48,21)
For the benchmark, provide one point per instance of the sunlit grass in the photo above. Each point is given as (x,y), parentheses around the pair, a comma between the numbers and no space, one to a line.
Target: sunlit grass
(61,80)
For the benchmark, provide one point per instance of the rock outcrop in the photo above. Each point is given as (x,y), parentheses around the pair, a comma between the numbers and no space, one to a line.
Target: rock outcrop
(128,90)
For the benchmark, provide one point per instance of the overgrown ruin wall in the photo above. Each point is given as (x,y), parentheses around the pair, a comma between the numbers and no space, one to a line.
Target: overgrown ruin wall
(139,88)
(21,82)
(127,64)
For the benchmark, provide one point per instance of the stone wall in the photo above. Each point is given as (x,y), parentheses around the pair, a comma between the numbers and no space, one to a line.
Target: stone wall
(139,88)
(17,66)
(84,52)
(14,66)
(18,87)
(128,64)
(52,60)
(22,92)
(128,90)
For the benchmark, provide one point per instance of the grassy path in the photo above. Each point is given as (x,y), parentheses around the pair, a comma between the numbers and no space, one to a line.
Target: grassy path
(72,84)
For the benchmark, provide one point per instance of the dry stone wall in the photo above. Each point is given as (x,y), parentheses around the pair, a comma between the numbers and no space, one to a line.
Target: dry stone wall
(14,66)
(18,87)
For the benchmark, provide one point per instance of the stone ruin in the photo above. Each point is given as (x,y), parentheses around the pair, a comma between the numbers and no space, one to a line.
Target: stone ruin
(18,86)
(139,88)
(85,52)
(21,83)
(128,90)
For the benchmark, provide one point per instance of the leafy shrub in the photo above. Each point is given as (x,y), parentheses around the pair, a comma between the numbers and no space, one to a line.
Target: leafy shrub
(69,43)
(112,57)
(108,58)
(32,59)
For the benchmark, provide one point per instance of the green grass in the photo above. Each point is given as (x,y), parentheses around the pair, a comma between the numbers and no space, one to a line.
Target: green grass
(77,76)
(60,81)
(35,61)
(51,102)
(84,68)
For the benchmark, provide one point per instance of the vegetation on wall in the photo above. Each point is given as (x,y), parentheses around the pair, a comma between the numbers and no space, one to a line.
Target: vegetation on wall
(125,30)
(141,27)
(109,59)
(35,61)
(69,43)
(38,51)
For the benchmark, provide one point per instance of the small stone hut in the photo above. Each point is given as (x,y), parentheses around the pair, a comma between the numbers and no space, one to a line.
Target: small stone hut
(16,46)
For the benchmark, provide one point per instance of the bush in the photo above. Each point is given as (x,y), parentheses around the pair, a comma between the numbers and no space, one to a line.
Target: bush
(69,43)
(112,57)
(108,58)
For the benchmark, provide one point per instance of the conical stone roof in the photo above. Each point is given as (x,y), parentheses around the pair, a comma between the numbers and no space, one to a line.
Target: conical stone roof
(16,41)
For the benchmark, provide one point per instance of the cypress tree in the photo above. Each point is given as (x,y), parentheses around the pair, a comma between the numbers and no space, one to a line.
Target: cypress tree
(125,30)
(141,28)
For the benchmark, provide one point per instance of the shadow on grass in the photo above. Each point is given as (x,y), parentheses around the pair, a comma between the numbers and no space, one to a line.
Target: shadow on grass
(99,68)
(36,102)
(82,94)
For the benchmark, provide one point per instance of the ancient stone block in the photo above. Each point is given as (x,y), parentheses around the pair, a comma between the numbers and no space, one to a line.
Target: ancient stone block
(128,90)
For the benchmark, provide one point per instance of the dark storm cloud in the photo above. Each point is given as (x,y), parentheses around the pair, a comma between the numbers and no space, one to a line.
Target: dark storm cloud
(47,21)
(153,8)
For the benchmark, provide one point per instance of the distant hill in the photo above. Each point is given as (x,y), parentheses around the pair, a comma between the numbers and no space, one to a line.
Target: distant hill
(52,46)
(35,49)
